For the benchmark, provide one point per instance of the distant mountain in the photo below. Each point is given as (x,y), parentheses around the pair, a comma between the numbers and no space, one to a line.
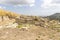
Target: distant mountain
(55,16)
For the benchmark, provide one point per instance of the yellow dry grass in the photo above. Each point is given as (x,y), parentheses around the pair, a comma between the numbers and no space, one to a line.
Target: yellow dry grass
(7,13)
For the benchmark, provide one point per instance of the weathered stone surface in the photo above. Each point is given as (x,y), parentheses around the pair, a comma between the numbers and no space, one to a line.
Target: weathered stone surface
(5,18)
(0,18)
(6,22)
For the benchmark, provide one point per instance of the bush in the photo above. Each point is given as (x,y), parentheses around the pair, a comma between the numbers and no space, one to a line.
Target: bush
(19,26)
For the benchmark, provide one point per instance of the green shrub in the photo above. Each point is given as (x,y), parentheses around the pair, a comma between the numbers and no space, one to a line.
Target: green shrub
(19,26)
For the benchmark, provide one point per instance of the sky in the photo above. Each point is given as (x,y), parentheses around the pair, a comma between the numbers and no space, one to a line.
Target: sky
(31,7)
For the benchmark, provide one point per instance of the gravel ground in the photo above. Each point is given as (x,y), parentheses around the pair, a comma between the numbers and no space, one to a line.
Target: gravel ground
(33,33)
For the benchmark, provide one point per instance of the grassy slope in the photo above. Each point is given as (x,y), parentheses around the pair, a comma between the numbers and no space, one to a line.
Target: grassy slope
(7,13)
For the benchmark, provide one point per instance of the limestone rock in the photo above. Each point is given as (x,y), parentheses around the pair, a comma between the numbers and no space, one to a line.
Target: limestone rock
(5,18)
(0,18)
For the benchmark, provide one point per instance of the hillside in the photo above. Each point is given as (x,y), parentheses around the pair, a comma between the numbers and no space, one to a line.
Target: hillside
(55,16)
(23,27)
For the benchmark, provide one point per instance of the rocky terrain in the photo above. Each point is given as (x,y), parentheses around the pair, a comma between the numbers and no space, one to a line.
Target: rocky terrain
(7,19)
(22,27)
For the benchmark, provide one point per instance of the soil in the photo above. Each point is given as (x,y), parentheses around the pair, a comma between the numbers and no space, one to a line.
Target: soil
(33,33)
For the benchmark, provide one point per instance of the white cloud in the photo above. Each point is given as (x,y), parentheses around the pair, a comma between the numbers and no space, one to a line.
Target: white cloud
(32,5)
(17,2)
(50,3)
(2,7)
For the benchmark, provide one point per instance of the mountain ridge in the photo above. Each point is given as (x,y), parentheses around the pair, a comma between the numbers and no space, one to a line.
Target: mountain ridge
(55,16)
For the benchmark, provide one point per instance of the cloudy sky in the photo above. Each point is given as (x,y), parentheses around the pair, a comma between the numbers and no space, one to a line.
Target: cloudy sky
(31,7)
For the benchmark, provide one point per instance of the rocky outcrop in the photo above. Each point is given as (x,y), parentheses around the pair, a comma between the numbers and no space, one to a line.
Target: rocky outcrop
(0,18)
(7,19)
(6,22)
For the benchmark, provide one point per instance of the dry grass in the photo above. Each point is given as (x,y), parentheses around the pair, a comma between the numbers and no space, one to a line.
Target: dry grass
(7,13)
